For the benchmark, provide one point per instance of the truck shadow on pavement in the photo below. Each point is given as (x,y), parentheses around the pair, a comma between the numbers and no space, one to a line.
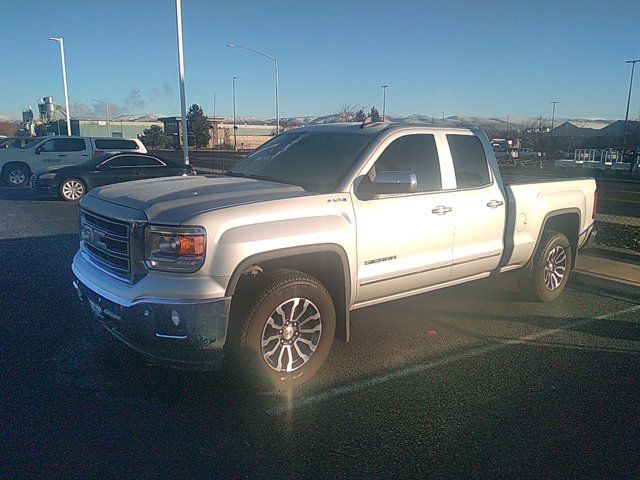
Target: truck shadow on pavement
(24,194)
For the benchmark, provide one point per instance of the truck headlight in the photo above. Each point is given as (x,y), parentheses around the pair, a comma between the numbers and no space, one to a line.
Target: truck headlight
(174,249)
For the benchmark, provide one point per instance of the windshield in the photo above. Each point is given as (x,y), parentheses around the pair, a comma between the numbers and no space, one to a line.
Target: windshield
(316,161)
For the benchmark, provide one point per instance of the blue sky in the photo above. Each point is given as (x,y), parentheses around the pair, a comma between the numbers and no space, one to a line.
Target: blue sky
(485,58)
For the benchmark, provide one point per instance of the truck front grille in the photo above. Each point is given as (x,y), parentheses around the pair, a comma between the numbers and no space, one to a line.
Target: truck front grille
(107,243)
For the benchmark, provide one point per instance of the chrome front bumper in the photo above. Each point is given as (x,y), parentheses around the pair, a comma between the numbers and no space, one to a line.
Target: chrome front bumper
(188,334)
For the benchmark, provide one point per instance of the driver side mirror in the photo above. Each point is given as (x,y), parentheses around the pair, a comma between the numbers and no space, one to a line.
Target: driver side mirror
(386,183)
(38,150)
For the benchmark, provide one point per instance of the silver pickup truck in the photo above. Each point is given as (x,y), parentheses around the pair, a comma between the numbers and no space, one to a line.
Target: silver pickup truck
(262,265)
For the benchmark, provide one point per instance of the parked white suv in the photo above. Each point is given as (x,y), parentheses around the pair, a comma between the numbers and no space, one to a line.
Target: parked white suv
(17,164)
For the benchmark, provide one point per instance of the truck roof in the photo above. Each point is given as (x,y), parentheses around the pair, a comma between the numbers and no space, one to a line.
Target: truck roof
(371,128)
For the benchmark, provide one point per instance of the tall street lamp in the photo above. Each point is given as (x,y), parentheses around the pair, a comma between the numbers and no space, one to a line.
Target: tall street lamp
(553,116)
(384,100)
(626,115)
(275,63)
(60,41)
(106,106)
(235,125)
(183,103)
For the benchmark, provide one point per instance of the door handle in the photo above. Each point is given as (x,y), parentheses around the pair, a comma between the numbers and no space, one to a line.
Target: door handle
(495,203)
(62,155)
(441,210)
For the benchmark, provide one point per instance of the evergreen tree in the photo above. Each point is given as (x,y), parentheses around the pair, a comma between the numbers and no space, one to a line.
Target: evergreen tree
(154,137)
(197,127)
(375,115)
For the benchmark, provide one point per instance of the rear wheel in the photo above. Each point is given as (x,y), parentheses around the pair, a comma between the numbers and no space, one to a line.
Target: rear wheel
(550,268)
(16,174)
(72,189)
(288,331)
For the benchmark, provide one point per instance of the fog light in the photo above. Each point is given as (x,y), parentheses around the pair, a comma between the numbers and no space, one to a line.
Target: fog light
(175,318)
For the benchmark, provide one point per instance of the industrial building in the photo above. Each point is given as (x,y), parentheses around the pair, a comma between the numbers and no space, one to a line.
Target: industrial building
(248,137)
(101,128)
(594,128)
(596,134)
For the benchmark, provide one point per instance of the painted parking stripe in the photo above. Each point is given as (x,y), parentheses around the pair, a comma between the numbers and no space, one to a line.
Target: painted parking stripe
(421,367)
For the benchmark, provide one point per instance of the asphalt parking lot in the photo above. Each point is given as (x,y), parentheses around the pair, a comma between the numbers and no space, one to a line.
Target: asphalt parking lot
(468,382)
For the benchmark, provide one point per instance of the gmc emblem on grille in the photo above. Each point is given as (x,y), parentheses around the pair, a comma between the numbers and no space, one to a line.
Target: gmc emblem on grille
(87,234)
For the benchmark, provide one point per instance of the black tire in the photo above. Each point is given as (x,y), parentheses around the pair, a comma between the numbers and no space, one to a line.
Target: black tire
(550,268)
(245,351)
(16,174)
(72,189)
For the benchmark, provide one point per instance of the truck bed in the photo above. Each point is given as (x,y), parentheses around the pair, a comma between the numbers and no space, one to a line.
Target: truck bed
(516,178)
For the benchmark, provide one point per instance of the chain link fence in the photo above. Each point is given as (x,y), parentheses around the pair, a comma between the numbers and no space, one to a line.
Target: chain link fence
(207,161)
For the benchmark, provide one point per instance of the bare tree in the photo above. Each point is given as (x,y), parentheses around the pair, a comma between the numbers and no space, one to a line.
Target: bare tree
(346,114)
(534,133)
(8,129)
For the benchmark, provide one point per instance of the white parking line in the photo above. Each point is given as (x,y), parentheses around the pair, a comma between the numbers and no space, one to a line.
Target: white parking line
(421,367)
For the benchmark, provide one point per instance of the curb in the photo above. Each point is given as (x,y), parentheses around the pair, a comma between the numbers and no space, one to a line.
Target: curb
(603,284)
(613,253)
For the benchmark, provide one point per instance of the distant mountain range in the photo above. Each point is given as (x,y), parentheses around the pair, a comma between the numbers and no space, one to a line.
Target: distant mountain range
(453,120)
(138,117)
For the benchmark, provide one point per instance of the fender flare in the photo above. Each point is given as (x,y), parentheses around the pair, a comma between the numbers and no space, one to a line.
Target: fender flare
(547,217)
(342,327)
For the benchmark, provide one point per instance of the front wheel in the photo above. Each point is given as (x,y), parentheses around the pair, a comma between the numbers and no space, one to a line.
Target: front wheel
(72,189)
(289,329)
(550,268)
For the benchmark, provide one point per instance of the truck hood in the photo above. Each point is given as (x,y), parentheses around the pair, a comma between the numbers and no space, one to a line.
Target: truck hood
(172,200)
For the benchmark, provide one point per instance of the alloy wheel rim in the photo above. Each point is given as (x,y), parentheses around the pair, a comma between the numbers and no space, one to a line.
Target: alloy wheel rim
(72,190)
(555,268)
(291,335)
(17,177)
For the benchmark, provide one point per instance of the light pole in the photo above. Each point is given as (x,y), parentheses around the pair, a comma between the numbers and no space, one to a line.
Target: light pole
(235,126)
(275,63)
(626,115)
(183,103)
(106,106)
(384,100)
(553,116)
(60,41)
(508,126)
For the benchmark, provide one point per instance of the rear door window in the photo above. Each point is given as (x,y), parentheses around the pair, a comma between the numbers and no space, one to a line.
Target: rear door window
(469,161)
(115,144)
(121,161)
(149,162)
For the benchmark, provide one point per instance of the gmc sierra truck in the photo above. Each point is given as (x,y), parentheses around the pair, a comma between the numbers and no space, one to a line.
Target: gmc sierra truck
(263,265)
